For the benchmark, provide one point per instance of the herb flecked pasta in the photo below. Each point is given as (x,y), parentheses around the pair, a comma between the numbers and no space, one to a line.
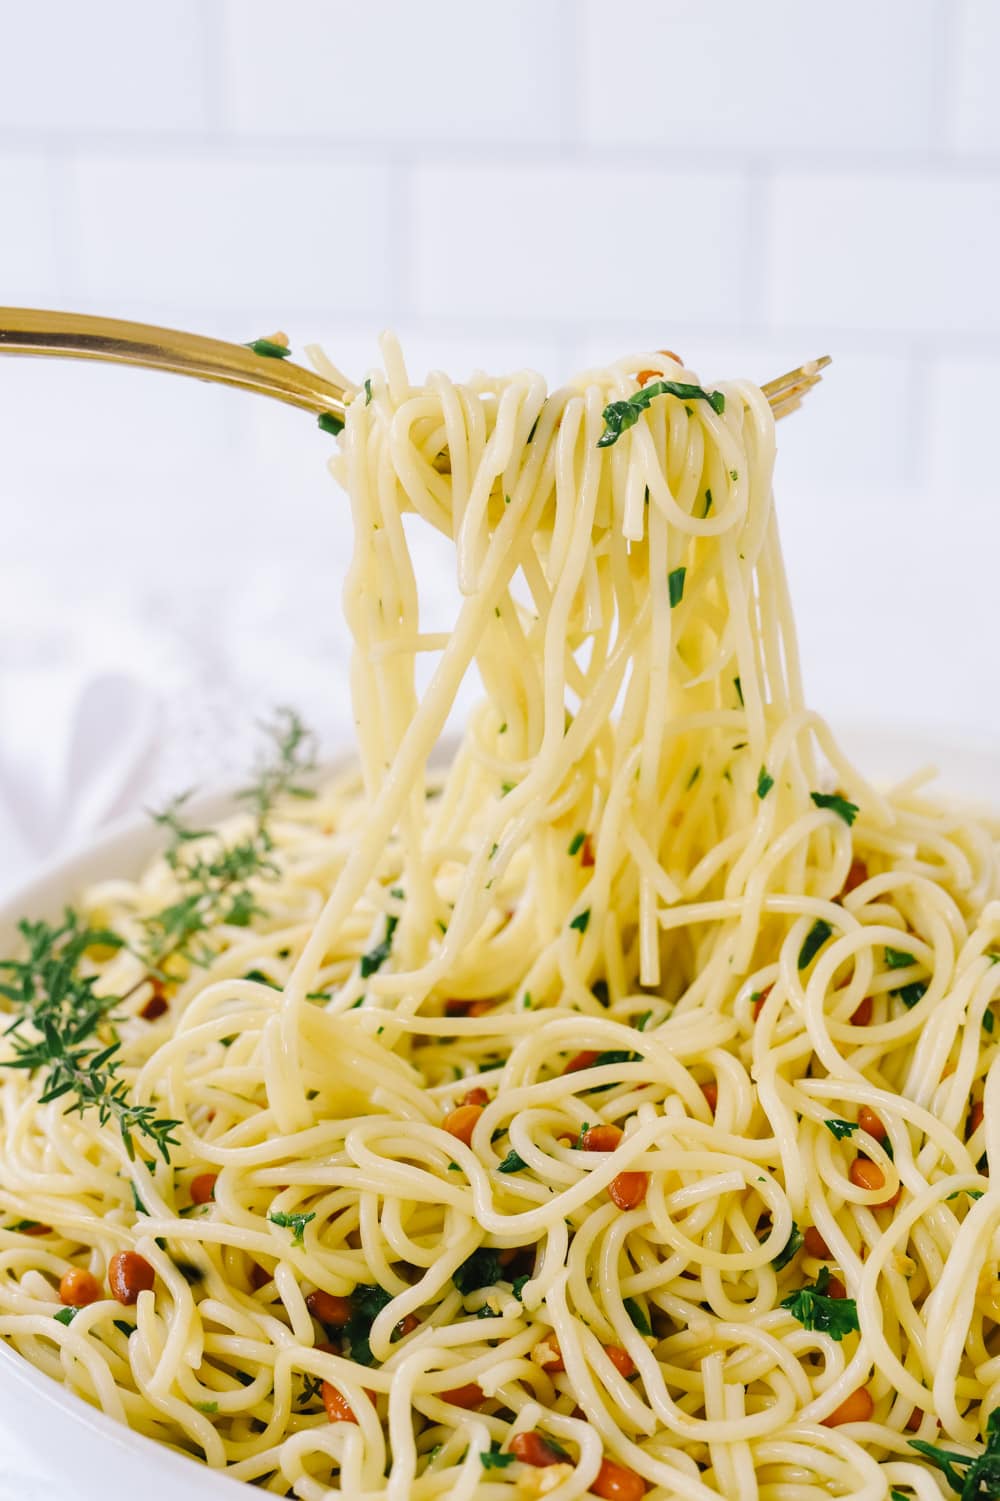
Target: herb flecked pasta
(608,1111)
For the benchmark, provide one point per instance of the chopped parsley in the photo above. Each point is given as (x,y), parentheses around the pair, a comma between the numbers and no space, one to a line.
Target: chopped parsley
(612,1055)
(492,1459)
(981,1480)
(836,804)
(793,1245)
(988,1021)
(269,347)
(912,993)
(294,1222)
(330,423)
(764,782)
(619,416)
(259,976)
(638,1315)
(898,958)
(840,1129)
(581,920)
(368,391)
(512,1163)
(816,1310)
(66,1316)
(576,843)
(367,1302)
(481,1269)
(739,691)
(616,1055)
(675,584)
(207,1407)
(376,957)
(518,1286)
(814,941)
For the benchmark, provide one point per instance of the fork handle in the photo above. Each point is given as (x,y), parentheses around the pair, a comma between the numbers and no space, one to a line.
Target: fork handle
(82,336)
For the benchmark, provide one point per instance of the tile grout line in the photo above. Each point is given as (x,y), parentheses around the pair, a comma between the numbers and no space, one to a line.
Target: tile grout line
(947,164)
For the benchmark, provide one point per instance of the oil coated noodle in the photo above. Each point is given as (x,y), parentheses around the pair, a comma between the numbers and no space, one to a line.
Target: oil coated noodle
(607,1113)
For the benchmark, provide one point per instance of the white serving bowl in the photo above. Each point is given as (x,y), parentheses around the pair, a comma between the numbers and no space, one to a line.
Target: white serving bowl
(92,1458)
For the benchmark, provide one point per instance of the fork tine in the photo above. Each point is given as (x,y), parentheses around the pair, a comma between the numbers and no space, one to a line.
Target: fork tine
(785,408)
(802,378)
(792,395)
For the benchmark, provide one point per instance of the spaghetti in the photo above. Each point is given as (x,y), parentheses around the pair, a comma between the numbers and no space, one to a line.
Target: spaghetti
(608,1112)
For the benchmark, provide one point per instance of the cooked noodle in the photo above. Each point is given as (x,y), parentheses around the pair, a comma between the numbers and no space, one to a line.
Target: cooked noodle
(623,857)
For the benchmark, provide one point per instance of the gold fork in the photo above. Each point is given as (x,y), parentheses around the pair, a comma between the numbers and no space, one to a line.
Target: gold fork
(82,336)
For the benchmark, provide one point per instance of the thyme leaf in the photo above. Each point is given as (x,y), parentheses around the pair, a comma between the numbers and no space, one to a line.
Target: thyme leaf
(215,882)
(64,1031)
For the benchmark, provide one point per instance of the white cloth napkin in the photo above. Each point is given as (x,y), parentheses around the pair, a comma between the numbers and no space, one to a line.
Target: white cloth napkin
(77,749)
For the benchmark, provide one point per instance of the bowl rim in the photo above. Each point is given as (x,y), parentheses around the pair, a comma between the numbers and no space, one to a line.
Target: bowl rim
(134,840)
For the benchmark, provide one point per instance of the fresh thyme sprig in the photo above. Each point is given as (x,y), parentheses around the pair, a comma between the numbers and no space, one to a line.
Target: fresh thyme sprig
(63,1029)
(72,1027)
(280,774)
(215,886)
(214,889)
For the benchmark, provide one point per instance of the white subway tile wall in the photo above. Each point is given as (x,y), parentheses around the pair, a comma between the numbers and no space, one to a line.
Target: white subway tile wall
(394,75)
(544,182)
(778,77)
(564,244)
(110,66)
(229,230)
